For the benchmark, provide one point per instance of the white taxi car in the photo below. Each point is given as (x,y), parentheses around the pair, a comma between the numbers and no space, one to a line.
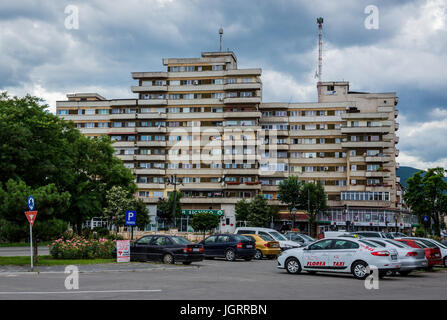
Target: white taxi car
(340,254)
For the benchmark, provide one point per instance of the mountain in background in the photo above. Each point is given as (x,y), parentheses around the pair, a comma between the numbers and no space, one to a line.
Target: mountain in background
(407,172)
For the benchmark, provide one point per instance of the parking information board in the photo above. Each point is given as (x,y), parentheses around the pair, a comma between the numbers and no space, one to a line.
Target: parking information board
(131,218)
(122,251)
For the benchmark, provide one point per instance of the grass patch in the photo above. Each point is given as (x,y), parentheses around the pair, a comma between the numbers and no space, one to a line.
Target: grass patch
(23,244)
(49,261)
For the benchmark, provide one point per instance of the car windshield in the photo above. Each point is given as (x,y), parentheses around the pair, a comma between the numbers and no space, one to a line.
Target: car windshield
(277,236)
(439,244)
(397,243)
(180,240)
(380,243)
(368,243)
(305,236)
(240,238)
(388,235)
(266,237)
(420,244)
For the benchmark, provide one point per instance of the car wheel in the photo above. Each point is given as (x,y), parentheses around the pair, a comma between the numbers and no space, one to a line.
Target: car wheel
(359,270)
(404,273)
(230,255)
(258,254)
(293,266)
(168,259)
(187,262)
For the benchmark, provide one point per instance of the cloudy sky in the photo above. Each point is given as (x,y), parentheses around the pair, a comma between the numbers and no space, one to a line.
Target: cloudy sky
(406,54)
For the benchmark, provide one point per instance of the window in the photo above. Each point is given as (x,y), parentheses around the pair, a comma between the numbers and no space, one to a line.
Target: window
(144,241)
(344,244)
(62,112)
(321,245)
(217,67)
(211,239)
(159,241)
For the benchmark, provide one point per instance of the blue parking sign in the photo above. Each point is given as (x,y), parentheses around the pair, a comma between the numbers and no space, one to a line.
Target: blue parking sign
(131,218)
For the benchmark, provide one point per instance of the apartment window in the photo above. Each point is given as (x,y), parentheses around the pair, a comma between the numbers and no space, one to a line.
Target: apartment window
(103,111)
(116,138)
(130,124)
(129,165)
(372,153)
(188,96)
(117,124)
(145,138)
(174,69)
(246,94)
(174,96)
(158,194)
(103,124)
(89,124)
(62,112)
(217,67)
(231,80)
(216,95)
(330,88)
(174,82)
(231,94)
(218,81)
(90,111)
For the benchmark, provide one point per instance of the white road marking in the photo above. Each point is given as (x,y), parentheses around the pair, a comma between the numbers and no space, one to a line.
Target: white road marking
(77,291)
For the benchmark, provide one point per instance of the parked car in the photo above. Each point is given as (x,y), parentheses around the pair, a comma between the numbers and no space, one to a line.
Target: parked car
(229,246)
(372,234)
(169,249)
(300,238)
(266,246)
(341,255)
(397,234)
(432,253)
(410,258)
(429,242)
(283,242)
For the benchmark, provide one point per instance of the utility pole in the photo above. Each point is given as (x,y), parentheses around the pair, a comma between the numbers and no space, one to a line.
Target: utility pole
(173,181)
(220,35)
(320,47)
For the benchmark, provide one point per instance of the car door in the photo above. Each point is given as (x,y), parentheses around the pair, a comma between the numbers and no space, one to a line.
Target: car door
(156,248)
(343,254)
(222,244)
(209,246)
(317,255)
(141,248)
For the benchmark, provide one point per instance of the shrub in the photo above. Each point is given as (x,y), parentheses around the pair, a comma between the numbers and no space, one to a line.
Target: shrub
(81,248)
(50,229)
(100,232)
(420,231)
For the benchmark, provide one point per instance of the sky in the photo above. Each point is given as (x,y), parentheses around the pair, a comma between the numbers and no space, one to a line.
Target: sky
(47,52)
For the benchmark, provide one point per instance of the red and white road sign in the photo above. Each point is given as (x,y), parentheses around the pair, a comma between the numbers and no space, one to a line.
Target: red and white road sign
(31,216)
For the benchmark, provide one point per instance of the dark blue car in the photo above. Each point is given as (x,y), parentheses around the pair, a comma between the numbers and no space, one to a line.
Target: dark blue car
(229,246)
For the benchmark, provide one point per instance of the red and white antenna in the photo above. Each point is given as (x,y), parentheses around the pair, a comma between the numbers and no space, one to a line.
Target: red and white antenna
(320,47)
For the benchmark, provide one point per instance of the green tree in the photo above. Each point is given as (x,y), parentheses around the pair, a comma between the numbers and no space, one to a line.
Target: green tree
(142,213)
(41,149)
(427,195)
(50,204)
(165,207)
(118,202)
(289,192)
(242,210)
(204,221)
(260,212)
(314,200)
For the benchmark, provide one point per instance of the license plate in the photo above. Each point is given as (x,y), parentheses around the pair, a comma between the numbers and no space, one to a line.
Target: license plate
(249,246)
(196,250)
(393,257)
(275,246)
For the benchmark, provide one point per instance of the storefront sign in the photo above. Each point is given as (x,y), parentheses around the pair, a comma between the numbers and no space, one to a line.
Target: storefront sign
(189,212)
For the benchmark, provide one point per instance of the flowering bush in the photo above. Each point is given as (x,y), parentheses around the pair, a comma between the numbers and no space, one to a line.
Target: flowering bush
(81,248)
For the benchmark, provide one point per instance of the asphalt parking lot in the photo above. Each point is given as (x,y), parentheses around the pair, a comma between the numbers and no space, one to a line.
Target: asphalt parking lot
(21,251)
(210,279)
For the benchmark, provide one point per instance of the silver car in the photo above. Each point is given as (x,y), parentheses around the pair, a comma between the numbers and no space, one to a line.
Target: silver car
(410,258)
(301,239)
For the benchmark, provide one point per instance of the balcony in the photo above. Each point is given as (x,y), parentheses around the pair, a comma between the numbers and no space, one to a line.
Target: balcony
(122,116)
(242,186)
(150,185)
(152,102)
(364,115)
(201,186)
(318,146)
(151,129)
(118,144)
(241,171)
(357,173)
(137,89)
(378,174)
(364,129)
(195,172)
(151,143)
(244,100)
(148,75)
(366,144)
(149,171)
(311,133)
(239,86)
(85,117)
(242,114)
(151,115)
(150,157)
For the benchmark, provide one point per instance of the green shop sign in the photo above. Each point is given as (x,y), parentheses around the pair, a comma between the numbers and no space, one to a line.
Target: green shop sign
(189,212)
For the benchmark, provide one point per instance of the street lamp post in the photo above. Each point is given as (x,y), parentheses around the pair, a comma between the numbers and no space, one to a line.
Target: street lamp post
(173,181)
(293,211)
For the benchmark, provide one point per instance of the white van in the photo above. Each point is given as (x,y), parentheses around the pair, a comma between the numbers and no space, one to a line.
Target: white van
(283,242)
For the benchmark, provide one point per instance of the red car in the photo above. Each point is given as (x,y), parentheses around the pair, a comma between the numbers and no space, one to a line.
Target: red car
(433,254)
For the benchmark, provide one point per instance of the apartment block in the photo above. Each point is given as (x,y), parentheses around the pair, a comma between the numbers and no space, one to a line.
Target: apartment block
(204,121)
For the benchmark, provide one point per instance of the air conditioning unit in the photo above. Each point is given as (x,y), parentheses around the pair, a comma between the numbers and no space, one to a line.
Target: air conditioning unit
(196,82)
(221,99)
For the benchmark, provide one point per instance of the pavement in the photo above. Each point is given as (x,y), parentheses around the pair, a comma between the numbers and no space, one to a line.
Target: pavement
(209,279)
(22,251)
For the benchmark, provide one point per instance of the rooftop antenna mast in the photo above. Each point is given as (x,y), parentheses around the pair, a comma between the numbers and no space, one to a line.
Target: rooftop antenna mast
(320,47)
(220,35)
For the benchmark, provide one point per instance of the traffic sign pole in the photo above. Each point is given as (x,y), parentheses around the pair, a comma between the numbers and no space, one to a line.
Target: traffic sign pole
(31,244)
